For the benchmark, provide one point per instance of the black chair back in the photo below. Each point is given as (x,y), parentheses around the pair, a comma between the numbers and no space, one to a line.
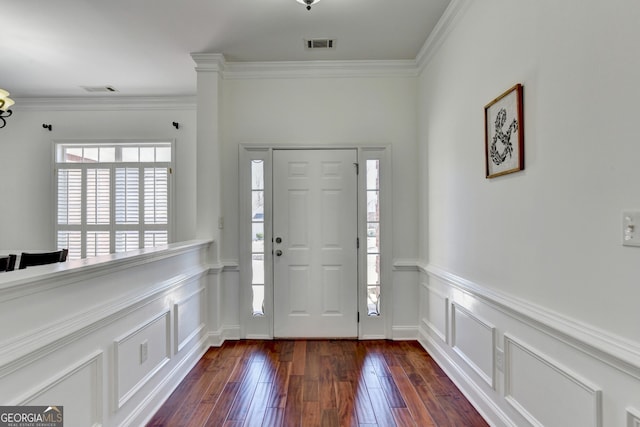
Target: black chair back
(12,262)
(42,258)
(7,263)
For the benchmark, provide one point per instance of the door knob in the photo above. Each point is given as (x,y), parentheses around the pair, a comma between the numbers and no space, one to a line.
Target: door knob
(278,239)
(278,252)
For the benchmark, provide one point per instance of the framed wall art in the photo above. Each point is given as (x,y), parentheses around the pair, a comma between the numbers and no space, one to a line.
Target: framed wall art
(504,133)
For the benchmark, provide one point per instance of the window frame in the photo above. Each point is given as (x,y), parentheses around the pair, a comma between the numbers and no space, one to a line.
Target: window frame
(380,325)
(57,145)
(255,327)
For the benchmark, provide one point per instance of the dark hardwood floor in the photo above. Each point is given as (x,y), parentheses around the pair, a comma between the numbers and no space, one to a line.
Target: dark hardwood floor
(317,383)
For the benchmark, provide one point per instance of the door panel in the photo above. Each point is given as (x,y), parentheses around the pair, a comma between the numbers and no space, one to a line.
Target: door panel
(315,215)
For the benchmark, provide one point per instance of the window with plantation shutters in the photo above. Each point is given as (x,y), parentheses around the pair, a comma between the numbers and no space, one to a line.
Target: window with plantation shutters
(112,196)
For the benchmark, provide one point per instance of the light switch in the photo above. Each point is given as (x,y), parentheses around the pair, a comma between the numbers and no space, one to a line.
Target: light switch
(631,228)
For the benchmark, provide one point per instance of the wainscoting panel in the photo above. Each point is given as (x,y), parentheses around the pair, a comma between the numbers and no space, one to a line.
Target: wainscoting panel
(78,389)
(545,393)
(633,418)
(139,355)
(116,310)
(189,318)
(437,314)
(522,365)
(473,339)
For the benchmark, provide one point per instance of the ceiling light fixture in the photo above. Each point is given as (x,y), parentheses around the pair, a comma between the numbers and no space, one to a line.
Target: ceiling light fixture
(308,3)
(5,104)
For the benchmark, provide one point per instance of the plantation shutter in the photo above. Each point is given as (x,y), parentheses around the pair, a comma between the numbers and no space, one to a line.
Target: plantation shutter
(112,197)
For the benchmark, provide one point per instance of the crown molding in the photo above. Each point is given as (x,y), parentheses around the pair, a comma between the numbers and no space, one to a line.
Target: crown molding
(447,22)
(212,62)
(106,103)
(319,69)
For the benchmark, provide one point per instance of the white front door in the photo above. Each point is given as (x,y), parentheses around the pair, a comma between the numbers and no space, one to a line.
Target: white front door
(315,235)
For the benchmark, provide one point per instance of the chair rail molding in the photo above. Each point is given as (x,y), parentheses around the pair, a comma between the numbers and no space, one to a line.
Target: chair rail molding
(618,352)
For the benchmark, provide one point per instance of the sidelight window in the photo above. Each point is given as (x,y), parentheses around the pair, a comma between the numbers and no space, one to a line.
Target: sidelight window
(257,236)
(373,237)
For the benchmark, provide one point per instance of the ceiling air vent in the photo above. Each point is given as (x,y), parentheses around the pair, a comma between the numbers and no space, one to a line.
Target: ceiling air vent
(104,89)
(320,44)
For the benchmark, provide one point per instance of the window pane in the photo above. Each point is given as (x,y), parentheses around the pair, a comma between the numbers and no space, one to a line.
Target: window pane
(91,155)
(69,196)
(257,244)
(127,196)
(129,154)
(257,175)
(98,243)
(107,154)
(147,154)
(71,240)
(98,196)
(72,155)
(126,241)
(163,154)
(257,264)
(373,237)
(373,209)
(373,174)
(156,196)
(373,300)
(373,269)
(257,206)
(258,300)
(155,238)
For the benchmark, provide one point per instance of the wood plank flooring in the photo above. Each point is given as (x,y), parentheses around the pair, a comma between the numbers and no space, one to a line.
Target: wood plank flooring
(323,383)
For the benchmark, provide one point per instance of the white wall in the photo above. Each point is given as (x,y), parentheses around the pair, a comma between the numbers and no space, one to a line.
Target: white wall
(550,234)
(26,217)
(535,257)
(324,111)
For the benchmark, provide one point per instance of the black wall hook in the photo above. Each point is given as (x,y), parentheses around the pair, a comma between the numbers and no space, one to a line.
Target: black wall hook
(176,125)
(47,127)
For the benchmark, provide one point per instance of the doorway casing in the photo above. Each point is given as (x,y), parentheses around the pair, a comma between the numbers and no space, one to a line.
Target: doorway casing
(261,326)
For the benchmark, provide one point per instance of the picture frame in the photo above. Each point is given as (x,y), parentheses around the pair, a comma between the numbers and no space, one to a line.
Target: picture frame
(504,133)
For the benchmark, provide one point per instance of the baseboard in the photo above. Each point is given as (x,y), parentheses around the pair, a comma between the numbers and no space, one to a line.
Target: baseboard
(483,403)
(404,333)
(150,405)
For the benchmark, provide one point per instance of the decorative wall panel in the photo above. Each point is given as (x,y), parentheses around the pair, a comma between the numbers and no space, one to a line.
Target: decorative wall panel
(545,393)
(437,315)
(139,355)
(78,390)
(633,418)
(474,341)
(189,318)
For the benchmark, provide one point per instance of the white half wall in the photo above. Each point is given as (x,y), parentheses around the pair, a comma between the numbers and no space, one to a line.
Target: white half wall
(107,338)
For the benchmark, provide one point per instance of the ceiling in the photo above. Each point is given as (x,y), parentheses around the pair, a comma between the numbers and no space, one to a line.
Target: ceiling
(52,48)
